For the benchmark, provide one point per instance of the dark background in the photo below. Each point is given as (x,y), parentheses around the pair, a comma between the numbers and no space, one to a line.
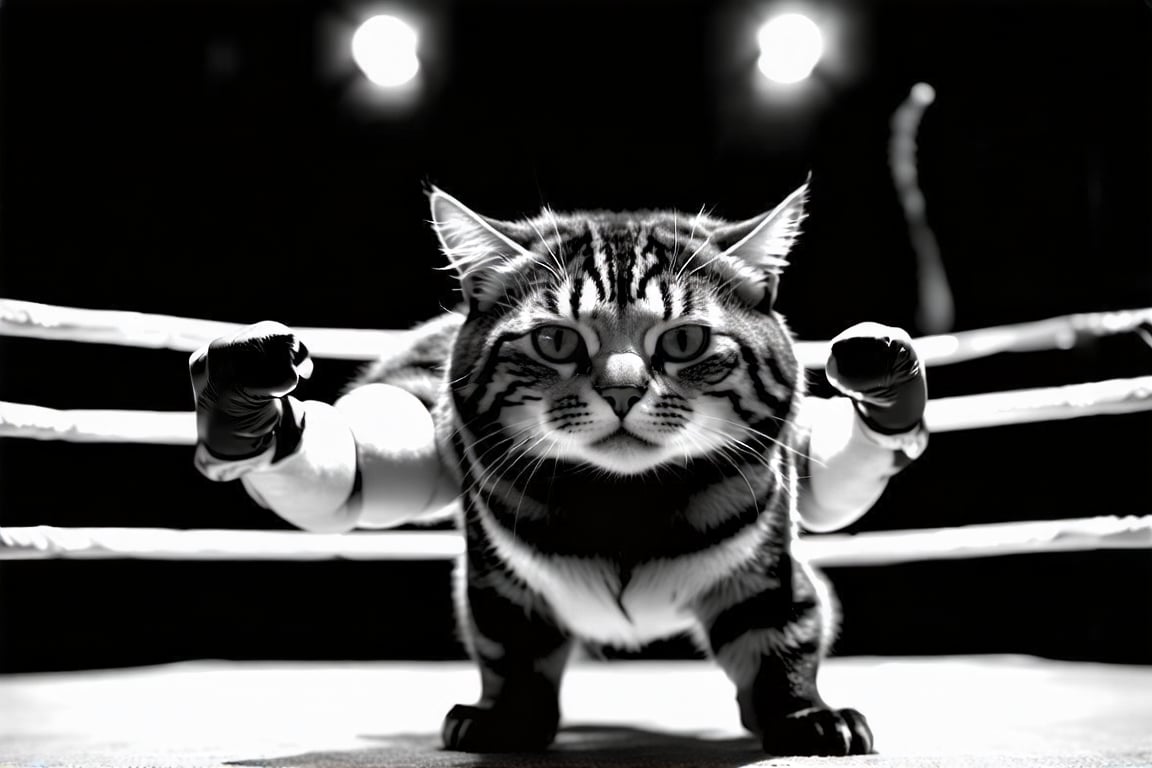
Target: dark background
(219,160)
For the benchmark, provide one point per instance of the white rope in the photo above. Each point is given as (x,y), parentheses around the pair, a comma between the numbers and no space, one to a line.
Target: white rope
(1063,332)
(136,329)
(1022,406)
(96,426)
(946,414)
(992,539)
(45,542)
(881,548)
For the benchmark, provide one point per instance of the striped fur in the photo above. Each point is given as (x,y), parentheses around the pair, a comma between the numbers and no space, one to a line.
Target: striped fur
(617,402)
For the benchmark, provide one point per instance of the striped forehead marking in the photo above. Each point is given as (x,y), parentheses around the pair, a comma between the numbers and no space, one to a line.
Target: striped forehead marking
(622,265)
(619,266)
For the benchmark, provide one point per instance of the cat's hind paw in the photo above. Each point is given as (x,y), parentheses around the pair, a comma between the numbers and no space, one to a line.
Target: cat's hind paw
(487,729)
(819,731)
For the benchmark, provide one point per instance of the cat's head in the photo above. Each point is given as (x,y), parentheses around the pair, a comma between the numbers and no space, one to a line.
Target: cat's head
(621,341)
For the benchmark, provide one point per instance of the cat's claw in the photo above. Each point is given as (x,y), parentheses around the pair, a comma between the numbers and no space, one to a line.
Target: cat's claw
(485,729)
(819,731)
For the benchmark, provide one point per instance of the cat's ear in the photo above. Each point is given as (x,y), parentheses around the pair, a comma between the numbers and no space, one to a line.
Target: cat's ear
(478,248)
(758,248)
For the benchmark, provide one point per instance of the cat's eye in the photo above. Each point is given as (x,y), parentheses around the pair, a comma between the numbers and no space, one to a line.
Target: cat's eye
(557,343)
(684,342)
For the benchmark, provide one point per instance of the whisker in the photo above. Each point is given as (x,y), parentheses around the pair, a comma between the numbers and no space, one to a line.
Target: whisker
(555,261)
(563,263)
(691,235)
(487,471)
(761,435)
(733,443)
(739,448)
(709,456)
(695,253)
(509,456)
(493,478)
(533,467)
(516,480)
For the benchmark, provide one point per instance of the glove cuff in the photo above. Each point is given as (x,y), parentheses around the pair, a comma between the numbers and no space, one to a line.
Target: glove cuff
(222,470)
(911,442)
(277,445)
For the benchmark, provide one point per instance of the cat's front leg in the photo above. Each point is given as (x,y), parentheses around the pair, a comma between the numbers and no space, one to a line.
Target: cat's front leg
(767,629)
(521,652)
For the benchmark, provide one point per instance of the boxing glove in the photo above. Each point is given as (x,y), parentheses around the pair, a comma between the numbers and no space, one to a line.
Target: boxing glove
(241,383)
(877,367)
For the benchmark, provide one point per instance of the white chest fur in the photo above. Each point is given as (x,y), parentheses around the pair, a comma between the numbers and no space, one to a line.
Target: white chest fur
(589,599)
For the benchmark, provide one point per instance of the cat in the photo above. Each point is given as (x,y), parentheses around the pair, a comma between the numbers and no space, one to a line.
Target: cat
(617,399)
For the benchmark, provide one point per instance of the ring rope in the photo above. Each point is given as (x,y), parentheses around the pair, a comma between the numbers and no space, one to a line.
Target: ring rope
(136,329)
(946,414)
(861,549)
(97,426)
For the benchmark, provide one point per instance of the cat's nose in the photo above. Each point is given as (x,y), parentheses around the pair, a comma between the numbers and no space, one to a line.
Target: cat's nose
(621,398)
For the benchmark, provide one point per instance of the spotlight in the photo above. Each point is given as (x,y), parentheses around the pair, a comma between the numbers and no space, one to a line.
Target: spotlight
(790,47)
(384,48)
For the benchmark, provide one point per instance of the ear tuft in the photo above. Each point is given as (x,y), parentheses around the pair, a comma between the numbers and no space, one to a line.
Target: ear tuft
(764,241)
(474,246)
(757,249)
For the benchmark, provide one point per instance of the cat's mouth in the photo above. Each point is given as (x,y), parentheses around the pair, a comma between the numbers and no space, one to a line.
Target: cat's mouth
(623,440)
(623,453)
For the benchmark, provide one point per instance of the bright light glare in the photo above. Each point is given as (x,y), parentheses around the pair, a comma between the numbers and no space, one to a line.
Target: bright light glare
(384,47)
(790,47)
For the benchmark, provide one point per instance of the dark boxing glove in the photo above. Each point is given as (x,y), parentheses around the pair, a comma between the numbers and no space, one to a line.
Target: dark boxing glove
(877,367)
(241,383)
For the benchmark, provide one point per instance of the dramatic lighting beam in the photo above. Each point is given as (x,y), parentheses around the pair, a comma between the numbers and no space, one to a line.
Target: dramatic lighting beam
(384,47)
(790,48)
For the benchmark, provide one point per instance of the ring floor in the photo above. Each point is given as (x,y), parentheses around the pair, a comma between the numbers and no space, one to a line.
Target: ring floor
(939,711)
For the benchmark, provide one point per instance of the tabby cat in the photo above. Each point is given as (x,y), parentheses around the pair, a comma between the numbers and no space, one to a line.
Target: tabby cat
(618,402)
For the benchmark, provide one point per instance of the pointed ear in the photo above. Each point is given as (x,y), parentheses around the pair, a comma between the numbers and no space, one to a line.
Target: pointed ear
(476,246)
(758,248)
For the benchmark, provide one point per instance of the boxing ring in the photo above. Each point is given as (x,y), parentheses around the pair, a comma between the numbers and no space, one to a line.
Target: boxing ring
(39,321)
(924,711)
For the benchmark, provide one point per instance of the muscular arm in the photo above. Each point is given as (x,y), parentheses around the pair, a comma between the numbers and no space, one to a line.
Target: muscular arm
(849,463)
(856,442)
(368,461)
